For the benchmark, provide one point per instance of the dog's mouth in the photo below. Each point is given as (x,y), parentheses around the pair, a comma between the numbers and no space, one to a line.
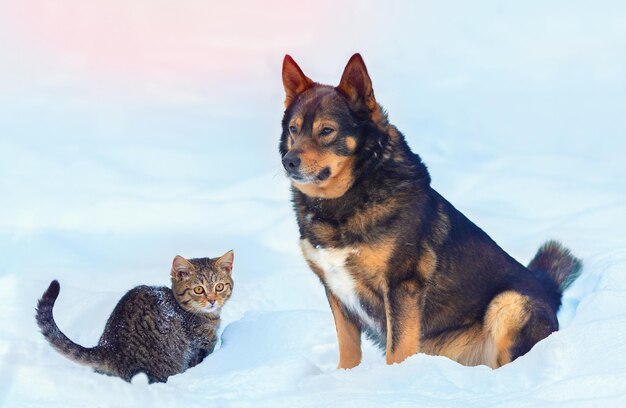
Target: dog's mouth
(320,177)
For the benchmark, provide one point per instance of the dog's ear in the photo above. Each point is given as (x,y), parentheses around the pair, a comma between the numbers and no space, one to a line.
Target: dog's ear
(294,80)
(356,83)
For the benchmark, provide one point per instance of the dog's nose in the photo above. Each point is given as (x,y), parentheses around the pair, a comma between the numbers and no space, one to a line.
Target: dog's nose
(291,162)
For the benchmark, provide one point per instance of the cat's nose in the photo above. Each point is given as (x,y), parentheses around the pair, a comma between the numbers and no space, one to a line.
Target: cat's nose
(211,302)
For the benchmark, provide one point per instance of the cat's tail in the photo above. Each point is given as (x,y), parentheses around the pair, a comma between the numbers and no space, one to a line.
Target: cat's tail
(60,342)
(558,263)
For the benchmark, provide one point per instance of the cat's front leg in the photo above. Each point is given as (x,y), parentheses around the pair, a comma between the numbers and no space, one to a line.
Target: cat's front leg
(206,347)
(209,346)
(198,357)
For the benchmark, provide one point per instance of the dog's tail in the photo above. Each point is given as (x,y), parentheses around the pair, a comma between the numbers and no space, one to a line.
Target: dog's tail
(558,263)
(59,341)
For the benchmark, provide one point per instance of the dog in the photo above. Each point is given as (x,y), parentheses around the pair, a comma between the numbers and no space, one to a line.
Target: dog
(398,262)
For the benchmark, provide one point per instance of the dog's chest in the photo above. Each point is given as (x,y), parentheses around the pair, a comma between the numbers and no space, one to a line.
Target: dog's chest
(333,264)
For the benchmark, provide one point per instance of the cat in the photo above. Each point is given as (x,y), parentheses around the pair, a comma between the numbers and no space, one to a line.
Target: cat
(153,330)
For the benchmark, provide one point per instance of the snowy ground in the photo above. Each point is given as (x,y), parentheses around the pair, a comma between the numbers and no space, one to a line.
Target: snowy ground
(130,134)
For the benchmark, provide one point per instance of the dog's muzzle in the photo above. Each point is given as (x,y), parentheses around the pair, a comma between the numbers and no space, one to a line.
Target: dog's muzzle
(292,164)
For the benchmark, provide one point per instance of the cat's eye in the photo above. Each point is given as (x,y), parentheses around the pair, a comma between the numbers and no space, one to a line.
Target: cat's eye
(326,131)
(198,290)
(219,287)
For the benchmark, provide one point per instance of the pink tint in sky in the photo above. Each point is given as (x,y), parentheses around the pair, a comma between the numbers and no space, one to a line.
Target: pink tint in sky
(185,39)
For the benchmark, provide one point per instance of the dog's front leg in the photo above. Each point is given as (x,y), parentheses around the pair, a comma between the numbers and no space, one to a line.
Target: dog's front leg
(402,309)
(348,335)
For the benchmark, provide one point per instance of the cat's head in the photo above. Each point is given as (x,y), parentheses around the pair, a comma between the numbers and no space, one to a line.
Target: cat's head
(203,285)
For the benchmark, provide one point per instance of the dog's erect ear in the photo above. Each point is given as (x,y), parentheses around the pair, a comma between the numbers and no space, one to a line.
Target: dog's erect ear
(294,80)
(356,83)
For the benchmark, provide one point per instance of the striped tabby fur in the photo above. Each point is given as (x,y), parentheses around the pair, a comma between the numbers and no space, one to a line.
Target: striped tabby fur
(155,330)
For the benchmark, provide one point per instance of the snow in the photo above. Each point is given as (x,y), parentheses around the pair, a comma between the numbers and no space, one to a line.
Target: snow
(133,133)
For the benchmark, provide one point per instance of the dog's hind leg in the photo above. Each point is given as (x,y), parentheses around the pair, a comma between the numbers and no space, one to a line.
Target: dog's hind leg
(470,346)
(516,323)
(512,325)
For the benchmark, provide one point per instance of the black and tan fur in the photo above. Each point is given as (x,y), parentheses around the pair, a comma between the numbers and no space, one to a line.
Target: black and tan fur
(399,262)
(153,330)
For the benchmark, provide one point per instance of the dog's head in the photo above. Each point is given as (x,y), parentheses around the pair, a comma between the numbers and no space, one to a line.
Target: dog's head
(328,132)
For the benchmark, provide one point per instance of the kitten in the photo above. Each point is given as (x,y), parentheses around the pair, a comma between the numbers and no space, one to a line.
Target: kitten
(153,330)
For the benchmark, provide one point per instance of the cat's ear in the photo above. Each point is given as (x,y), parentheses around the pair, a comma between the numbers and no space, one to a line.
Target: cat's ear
(181,268)
(225,262)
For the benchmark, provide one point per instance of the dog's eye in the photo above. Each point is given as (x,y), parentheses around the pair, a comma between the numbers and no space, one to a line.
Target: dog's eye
(326,131)
(293,129)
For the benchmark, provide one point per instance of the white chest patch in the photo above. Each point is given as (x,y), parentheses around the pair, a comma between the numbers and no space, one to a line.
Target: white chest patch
(332,261)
